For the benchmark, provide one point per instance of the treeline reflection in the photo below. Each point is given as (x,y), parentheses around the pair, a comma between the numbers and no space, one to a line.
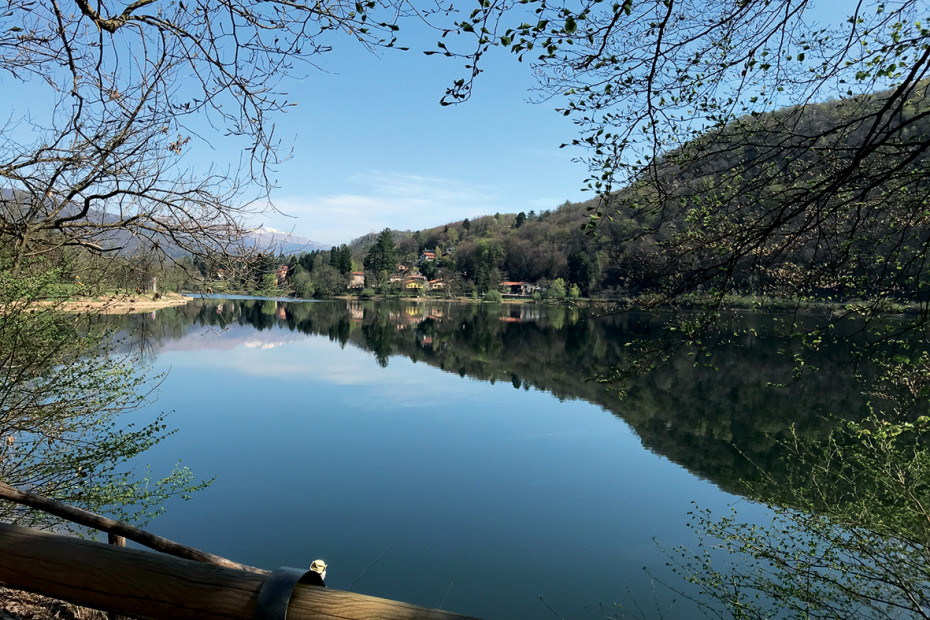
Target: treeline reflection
(720,418)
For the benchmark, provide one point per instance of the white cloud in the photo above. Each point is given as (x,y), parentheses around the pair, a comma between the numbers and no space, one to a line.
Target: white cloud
(385,200)
(304,359)
(257,344)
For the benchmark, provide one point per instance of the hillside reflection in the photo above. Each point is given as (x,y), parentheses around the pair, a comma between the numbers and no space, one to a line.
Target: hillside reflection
(722,423)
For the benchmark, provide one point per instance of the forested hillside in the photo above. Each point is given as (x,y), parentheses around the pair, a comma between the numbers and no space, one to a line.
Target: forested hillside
(681,229)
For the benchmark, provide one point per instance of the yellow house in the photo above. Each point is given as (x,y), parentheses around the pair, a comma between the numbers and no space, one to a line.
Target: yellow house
(415,283)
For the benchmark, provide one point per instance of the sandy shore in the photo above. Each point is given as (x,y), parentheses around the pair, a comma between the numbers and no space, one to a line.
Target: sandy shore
(126,304)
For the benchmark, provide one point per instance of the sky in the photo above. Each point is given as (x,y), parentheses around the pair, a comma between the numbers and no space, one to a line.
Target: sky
(374,149)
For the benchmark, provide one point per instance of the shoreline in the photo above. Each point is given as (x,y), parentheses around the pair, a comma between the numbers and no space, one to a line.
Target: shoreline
(125,303)
(732,303)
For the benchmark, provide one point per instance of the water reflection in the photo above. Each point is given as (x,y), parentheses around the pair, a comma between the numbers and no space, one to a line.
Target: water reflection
(484,495)
(722,421)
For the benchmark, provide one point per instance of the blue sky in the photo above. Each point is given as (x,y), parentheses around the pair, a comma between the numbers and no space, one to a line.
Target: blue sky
(373,148)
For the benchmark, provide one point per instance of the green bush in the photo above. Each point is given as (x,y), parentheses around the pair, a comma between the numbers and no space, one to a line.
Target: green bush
(557,289)
(303,285)
(64,387)
(493,296)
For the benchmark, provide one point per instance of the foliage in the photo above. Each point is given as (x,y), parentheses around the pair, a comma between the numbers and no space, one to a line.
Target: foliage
(97,182)
(666,243)
(480,260)
(65,390)
(556,290)
(269,282)
(493,297)
(99,159)
(429,269)
(340,258)
(712,160)
(713,164)
(580,270)
(853,542)
(328,281)
(303,285)
(381,257)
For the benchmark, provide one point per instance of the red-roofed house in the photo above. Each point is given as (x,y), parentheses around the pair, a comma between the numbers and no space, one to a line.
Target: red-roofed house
(416,282)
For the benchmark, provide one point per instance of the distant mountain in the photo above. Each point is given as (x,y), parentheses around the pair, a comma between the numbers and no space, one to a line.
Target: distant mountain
(281,241)
(129,240)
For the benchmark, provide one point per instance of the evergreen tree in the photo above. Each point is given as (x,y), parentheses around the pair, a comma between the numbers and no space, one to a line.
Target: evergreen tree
(382,257)
(580,270)
(345,260)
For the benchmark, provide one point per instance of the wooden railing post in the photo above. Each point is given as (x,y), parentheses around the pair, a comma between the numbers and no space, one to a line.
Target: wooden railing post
(116,539)
(119,541)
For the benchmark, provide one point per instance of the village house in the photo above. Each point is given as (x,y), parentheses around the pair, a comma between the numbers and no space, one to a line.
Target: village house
(521,289)
(415,283)
(357,280)
(280,275)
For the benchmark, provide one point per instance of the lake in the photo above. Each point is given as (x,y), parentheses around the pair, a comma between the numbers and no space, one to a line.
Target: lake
(457,456)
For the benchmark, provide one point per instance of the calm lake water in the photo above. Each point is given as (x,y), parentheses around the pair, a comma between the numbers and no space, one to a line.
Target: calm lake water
(456,456)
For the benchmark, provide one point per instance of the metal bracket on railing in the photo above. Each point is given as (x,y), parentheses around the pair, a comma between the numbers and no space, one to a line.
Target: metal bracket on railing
(275,593)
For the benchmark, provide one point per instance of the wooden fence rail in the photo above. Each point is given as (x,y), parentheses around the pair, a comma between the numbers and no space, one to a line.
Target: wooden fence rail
(143,584)
(117,530)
